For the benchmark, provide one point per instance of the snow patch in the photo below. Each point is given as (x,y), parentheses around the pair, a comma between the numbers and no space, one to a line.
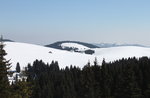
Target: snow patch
(79,47)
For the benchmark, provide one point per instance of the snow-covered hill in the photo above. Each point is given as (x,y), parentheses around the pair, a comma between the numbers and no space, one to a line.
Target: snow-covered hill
(74,46)
(27,53)
(59,44)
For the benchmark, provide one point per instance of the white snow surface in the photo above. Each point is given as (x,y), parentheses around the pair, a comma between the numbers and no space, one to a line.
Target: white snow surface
(27,53)
(74,45)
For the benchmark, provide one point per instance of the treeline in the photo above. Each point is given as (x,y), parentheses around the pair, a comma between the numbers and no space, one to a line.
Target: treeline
(125,78)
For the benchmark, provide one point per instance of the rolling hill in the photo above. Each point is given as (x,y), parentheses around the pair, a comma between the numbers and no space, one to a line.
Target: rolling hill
(27,53)
(57,45)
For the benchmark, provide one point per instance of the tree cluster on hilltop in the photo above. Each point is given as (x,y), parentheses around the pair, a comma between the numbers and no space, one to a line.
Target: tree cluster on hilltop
(57,45)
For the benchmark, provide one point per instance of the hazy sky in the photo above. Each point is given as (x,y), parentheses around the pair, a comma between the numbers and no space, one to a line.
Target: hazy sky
(94,21)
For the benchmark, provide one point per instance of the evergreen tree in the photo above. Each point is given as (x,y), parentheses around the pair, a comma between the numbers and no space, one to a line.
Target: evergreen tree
(18,67)
(4,66)
(106,80)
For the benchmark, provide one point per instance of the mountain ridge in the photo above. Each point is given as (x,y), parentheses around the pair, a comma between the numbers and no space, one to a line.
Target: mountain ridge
(58,43)
(107,45)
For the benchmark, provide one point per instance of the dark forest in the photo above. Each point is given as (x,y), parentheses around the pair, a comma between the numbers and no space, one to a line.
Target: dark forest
(125,78)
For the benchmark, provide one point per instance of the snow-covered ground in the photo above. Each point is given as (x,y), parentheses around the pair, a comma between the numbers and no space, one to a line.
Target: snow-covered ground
(27,53)
(74,45)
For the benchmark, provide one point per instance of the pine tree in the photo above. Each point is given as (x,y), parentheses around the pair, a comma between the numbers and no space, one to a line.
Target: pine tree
(4,67)
(18,67)
(106,80)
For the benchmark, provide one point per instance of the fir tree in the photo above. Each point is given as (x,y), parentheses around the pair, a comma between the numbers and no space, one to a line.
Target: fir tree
(4,67)
(106,80)
(18,67)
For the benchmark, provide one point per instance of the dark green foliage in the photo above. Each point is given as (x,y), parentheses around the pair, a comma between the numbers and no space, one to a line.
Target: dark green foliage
(4,66)
(125,78)
(57,45)
(18,67)
(19,89)
(89,51)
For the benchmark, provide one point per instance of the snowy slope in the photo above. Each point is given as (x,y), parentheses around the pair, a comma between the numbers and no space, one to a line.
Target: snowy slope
(27,53)
(115,53)
(74,46)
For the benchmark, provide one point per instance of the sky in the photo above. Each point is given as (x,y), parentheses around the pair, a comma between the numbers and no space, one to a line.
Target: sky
(94,21)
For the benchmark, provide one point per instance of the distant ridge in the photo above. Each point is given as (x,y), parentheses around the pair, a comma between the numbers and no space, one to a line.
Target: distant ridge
(7,40)
(57,45)
(108,45)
